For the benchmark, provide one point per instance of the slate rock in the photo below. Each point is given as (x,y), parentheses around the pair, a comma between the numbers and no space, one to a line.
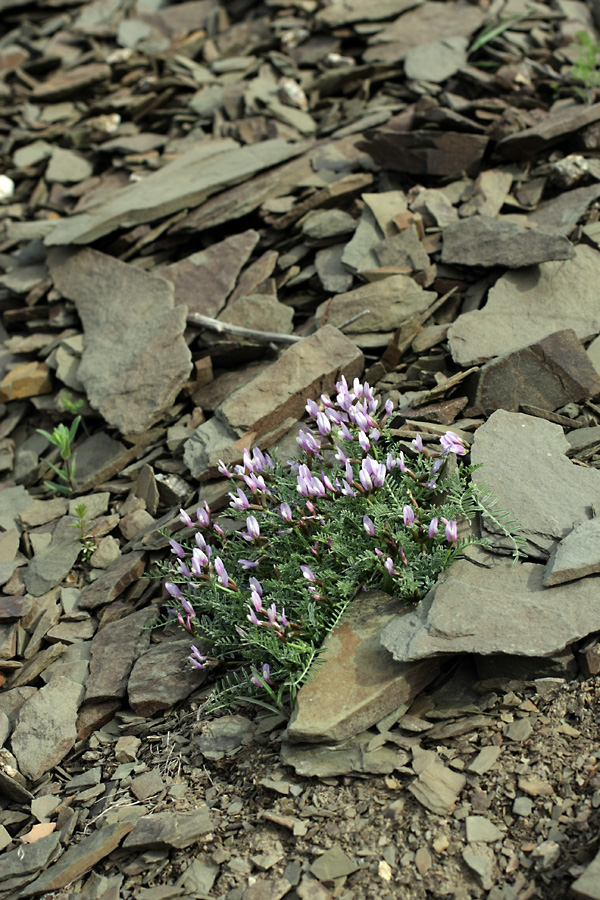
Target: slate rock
(527,143)
(130,382)
(175,830)
(436,787)
(261,312)
(108,586)
(481,830)
(224,736)
(333,275)
(436,61)
(403,249)
(548,374)
(484,241)
(587,886)
(48,568)
(490,611)
(79,858)
(66,167)
(334,863)
(355,11)
(357,684)
(358,252)
(353,756)
(426,152)
(147,693)
(19,866)
(13,502)
(390,302)
(525,468)
(328,223)
(45,728)
(204,280)
(305,369)
(577,555)
(527,305)
(560,214)
(208,167)
(122,642)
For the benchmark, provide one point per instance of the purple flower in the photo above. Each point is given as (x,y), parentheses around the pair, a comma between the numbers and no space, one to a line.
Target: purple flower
(255,482)
(308,443)
(199,560)
(347,490)
(173,590)
(248,564)
(272,615)
(365,479)
(197,659)
(418,443)
(252,617)
(345,432)
(177,549)
(368,525)
(256,586)
(222,468)
(389,407)
(312,409)
(183,568)
(256,601)
(188,608)
(389,565)
(186,519)
(451,443)
(400,462)
(203,516)
(266,679)
(283,618)
(408,515)
(308,573)
(240,502)
(433,527)
(222,576)
(253,528)
(285,512)
(451,531)
(323,424)
(364,442)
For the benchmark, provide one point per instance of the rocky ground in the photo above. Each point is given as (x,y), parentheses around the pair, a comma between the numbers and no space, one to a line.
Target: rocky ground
(208,213)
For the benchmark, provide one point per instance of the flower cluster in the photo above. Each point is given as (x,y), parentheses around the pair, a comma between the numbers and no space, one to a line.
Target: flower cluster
(356,509)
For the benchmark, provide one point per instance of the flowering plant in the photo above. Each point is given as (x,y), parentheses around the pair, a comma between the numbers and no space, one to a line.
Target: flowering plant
(354,511)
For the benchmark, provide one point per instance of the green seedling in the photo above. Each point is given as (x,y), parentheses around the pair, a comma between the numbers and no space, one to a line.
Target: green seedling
(71,406)
(63,437)
(494,30)
(585,68)
(87,544)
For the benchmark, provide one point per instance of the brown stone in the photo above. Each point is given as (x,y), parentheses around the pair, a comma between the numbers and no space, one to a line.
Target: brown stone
(26,380)
(94,715)
(122,643)
(147,693)
(426,152)
(549,374)
(79,858)
(306,369)
(69,82)
(204,280)
(358,683)
(527,143)
(113,581)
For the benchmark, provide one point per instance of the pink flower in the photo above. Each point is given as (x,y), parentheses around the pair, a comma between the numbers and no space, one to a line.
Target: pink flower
(408,515)
(186,519)
(368,525)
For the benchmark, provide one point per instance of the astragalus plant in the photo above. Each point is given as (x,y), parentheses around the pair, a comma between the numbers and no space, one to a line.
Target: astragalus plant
(352,512)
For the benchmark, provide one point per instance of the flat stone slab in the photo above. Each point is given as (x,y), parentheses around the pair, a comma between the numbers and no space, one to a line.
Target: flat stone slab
(349,757)
(525,468)
(186,182)
(122,643)
(147,693)
(526,305)
(577,555)
(45,728)
(485,241)
(135,359)
(390,302)
(491,611)
(548,374)
(79,858)
(357,684)
(113,581)
(169,829)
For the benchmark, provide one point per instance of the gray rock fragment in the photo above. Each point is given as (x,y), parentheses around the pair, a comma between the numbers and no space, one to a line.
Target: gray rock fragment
(130,382)
(528,304)
(525,468)
(437,60)
(577,555)
(45,729)
(484,241)
(490,611)
(169,829)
